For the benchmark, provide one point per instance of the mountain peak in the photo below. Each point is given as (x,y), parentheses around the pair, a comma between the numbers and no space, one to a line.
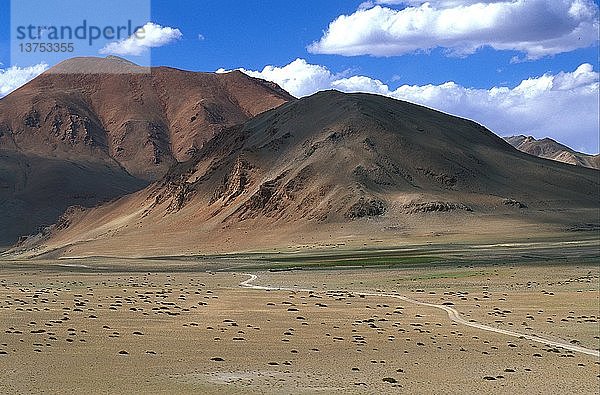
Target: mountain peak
(96,65)
(120,59)
(551,149)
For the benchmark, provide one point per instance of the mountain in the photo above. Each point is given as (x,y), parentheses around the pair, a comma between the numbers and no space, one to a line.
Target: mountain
(334,168)
(550,149)
(144,119)
(93,129)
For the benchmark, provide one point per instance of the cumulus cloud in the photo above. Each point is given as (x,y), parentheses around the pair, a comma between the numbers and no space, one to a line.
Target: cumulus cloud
(563,105)
(536,28)
(437,3)
(13,77)
(149,36)
(299,77)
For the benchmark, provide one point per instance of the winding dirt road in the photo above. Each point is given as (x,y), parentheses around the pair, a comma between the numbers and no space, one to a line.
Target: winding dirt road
(452,314)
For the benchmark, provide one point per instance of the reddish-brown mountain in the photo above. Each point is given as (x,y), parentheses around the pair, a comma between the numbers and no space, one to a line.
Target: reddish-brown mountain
(92,129)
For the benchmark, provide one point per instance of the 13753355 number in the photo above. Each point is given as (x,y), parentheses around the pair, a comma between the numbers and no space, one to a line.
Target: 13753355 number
(46,47)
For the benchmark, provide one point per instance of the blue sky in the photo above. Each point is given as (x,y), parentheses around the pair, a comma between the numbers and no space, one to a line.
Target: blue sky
(252,34)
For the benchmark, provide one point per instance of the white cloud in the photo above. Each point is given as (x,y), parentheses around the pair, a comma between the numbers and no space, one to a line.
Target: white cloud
(413,3)
(437,3)
(299,78)
(14,77)
(359,83)
(152,36)
(537,28)
(564,106)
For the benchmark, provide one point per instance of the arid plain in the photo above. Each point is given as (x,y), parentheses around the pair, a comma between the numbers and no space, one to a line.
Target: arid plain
(331,322)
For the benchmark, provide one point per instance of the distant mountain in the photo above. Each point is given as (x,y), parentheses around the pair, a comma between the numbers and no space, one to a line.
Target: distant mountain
(349,168)
(92,129)
(550,149)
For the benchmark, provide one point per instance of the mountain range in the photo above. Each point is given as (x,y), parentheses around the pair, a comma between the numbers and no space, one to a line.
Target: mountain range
(551,149)
(197,163)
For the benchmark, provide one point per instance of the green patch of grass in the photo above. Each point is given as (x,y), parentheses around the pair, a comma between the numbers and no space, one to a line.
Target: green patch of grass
(346,262)
(351,255)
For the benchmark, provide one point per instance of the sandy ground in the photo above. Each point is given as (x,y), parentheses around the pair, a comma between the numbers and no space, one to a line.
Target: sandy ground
(79,331)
